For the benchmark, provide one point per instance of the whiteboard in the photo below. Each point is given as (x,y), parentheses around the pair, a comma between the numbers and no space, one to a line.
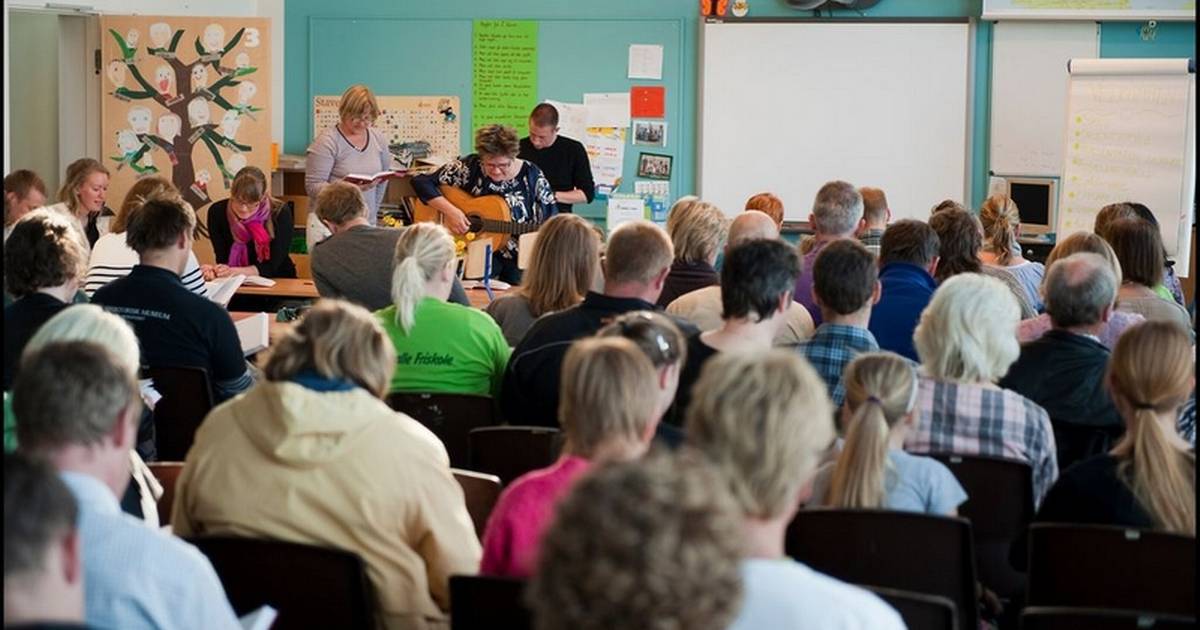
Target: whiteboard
(1131,136)
(1029,92)
(788,106)
(1089,9)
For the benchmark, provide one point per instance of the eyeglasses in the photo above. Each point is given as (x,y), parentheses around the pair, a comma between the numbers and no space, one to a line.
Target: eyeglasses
(497,166)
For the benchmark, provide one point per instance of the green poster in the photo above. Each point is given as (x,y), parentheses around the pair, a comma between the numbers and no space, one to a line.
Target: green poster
(504,81)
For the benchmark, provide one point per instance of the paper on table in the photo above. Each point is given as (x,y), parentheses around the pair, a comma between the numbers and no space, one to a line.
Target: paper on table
(623,209)
(645,61)
(609,109)
(221,290)
(253,332)
(572,119)
(259,281)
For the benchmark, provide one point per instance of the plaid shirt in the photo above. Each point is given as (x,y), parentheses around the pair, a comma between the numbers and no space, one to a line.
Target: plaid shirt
(1187,421)
(977,420)
(831,347)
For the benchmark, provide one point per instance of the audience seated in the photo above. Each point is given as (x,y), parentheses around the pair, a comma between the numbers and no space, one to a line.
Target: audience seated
(23,191)
(76,405)
(966,340)
(440,347)
(873,471)
(1063,371)
(1139,249)
(563,266)
(769,205)
(662,342)
(609,408)
(81,200)
(1170,288)
(251,232)
(908,258)
(636,263)
(113,258)
(762,420)
(1001,226)
(313,455)
(703,307)
(845,287)
(43,564)
(43,264)
(698,231)
(836,214)
(960,237)
(876,215)
(641,545)
(176,327)
(1118,321)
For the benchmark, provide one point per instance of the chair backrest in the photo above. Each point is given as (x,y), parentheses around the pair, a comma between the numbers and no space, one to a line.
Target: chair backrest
(920,610)
(310,586)
(450,416)
(904,550)
(1063,618)
(1000,506)
(167,473)
(1101,566)
(481,491)
(511,451)
(481,603)
(186,399)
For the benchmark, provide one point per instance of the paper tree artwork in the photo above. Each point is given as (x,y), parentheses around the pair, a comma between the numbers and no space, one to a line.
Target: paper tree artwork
(182,100)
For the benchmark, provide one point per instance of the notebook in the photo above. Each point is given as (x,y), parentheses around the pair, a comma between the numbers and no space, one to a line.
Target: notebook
(254,332)
(356,178)
(221,290)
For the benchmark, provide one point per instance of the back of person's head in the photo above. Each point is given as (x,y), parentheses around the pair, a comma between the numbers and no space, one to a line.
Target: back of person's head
(697,230)
(769,205)
(78,172)
(756,275)
(158,224)
(946,204)
(1078,289)
(1111,213)
(642,545)
(1139,248)
(959,241)
(1150,375)
(881,391)
(337,340)
(763,420)
(654,333)
(422,251)
(909,241)
(837,209)
(968,333)
(1000,218)
(142,190)
(1089,242)
(544,115)
(875,204)
(563,264)
(748,226)
(42,252)
(71,393)
(637,252)
(17,187)
(90,323)
(340,202)
(608,395)
(845,275)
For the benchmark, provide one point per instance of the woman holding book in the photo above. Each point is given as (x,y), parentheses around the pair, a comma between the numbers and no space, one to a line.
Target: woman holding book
(251,232)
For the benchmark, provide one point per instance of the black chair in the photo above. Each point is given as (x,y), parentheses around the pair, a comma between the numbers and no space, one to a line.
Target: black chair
(450,416)
(483,603)
(186,399)
(920,611)
(311,587)
(1000,506)
(167,473)
(511,451)
(903,550)
(1099,566)
(481,491)
(1062,618)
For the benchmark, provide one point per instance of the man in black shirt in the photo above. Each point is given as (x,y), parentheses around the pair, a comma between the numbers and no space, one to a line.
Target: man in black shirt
(563,160)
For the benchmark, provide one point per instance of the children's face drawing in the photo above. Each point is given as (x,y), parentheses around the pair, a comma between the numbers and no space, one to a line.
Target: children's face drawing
(214,37)
(139,119)
(163,78)
(242,60)
(160,34)
(169,126)
(127,141)
(230,124)
(131,38)
(116,73)
(235,163)
(246,91)
(203,177)
(198,113)
(199,77)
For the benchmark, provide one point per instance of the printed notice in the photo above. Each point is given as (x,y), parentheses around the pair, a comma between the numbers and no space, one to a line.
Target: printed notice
(504,78)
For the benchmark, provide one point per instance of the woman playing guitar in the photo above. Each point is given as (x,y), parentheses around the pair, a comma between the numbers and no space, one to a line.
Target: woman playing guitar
(493,169)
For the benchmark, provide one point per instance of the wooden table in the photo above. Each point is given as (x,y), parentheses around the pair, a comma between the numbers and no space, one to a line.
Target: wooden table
(292,288)
(479,297)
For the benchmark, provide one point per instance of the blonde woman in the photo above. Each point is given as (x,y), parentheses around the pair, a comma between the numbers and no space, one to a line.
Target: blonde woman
(113,258)
(698,231)
(609,408)
(314,456)
(251,231)
(440,347)
(81,199)
(563,267)
(873,471)
(1001,226)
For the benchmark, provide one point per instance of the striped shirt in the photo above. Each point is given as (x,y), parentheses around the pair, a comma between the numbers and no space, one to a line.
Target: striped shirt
(113,259)
(831,347)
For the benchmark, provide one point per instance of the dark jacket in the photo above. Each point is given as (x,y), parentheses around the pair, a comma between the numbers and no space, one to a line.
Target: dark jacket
(906,290)
(685,278)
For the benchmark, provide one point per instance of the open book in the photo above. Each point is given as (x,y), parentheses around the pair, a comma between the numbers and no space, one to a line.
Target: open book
(254,332)
(358,179)
(221,290)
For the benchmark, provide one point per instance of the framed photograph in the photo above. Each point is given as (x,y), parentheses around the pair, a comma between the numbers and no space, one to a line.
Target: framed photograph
(654,166)
(650,132)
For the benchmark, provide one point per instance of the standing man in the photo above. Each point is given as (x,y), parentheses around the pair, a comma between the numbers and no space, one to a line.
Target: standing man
(563,160)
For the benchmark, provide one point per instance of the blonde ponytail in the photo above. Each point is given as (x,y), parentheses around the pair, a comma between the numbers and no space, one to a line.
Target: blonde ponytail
(1000,218)
(421,251)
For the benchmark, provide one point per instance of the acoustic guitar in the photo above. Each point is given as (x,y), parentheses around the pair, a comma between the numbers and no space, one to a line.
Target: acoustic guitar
(489,216)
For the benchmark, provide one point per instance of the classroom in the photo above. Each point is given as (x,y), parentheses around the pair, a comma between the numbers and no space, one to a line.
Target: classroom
(728,314)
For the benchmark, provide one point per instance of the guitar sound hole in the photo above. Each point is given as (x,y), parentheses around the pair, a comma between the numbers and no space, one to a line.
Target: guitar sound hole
(476,223)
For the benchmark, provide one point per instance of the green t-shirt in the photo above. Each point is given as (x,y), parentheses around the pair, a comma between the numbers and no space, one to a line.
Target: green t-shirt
(451,349)
(10,425)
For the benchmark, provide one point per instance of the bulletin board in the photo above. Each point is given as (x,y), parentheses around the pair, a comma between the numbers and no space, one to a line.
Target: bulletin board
(406,122)
(186,98)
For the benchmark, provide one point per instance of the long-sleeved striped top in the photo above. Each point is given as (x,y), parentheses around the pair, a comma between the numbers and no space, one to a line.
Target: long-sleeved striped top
(112,259)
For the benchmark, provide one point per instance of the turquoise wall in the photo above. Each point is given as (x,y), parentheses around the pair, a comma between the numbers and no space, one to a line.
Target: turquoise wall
(404,46)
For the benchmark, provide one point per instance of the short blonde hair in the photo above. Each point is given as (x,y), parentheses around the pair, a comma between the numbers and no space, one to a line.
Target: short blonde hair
(763,420)
(636,252)
(697,230)
(608,392)
(562,265)
(767,204)
(497,140)
(88,322)
(968,333)
(340,202)
(337,340)
(358,101)
(422,250)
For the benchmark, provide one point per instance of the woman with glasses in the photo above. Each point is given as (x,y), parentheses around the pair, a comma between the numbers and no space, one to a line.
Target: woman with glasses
(251,231)
(494,169)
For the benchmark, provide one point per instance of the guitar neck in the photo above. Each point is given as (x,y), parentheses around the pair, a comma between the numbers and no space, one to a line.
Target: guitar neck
(508,227)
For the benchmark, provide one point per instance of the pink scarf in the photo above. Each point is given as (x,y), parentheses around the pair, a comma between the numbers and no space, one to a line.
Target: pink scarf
(253,227)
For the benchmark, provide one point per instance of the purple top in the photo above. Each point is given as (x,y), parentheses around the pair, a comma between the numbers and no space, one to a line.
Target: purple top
(804,283)
(1031,329)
